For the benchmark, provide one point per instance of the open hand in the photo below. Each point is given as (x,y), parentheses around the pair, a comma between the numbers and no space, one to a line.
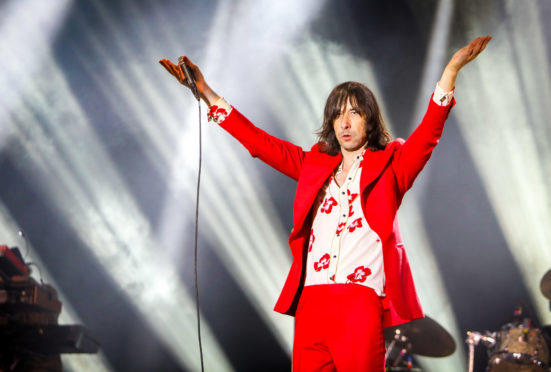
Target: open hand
(176,71)
(206,93)
(468,53)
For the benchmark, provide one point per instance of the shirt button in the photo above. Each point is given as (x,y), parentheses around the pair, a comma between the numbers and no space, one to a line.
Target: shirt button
(338,235)
(334,256)
(350,178)
(343,193)
(344,215)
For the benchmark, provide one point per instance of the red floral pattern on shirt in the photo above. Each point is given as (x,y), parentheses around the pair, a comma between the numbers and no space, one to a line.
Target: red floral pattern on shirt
(359,275)
(323,263)
(351,196)
(328,205)
(357,223)
(312,240)
(340,228)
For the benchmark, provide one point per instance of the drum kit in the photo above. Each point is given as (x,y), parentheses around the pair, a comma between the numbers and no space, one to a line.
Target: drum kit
(517,346)
(422,337)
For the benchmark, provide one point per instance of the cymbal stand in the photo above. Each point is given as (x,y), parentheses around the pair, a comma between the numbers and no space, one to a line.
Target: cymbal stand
(405,351)
(392,344)
(472,340)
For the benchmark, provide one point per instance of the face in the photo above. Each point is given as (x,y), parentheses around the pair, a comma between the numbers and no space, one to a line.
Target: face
(349,128)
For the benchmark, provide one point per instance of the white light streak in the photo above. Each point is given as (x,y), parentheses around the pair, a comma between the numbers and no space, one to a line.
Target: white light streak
(242,224)
(28,35)
(428,278)
(505,122)
(437,54)
(63,152)
(430,287)
(305,79)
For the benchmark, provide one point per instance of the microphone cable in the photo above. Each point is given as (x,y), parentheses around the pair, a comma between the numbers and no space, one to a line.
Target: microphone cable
(188,74)
(196,239)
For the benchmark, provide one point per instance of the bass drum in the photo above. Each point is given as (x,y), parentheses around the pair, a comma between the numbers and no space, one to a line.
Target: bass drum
(519,349)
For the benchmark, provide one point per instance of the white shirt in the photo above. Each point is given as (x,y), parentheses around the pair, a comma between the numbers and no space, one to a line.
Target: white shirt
(343,248)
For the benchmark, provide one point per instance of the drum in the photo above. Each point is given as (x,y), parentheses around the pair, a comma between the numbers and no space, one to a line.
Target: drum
(519,348)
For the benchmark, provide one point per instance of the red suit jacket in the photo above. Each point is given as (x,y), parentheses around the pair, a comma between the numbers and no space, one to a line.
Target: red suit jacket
(386,176)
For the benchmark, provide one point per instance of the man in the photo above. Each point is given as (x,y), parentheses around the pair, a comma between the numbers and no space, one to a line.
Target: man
(350,275)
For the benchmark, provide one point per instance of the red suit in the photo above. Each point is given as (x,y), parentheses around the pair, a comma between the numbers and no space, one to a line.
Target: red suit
(386,176)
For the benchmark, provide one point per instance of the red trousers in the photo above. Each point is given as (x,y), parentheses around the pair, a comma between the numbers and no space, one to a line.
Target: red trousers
(339,327)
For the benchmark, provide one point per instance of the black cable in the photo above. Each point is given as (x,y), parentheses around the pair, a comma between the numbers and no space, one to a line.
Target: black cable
(196,238)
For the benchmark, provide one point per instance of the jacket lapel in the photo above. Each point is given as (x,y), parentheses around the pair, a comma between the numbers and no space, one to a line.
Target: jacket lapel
(316,170)
(373,164)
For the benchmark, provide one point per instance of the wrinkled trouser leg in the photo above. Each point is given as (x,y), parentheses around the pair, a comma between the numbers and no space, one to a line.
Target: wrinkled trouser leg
(339,327)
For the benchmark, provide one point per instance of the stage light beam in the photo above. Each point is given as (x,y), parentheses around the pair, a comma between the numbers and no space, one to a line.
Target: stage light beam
(508,135)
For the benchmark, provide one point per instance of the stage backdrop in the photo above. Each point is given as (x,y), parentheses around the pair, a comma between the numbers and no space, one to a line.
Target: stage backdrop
(99,159)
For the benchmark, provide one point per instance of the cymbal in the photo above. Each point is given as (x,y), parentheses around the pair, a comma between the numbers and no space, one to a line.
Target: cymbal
(545,285)
(427,337)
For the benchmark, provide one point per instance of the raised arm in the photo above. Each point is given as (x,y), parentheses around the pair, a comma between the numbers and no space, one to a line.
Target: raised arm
(416,151)
(281,155)
(207,94)
(460,59)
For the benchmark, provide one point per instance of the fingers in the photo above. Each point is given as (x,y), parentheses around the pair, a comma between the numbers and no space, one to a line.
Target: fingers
(194,69)
(485,42)
(178,73)
(167,65)
(191,67)
(174,70)
(468,53)
(476,48)
(188,62)
(478,45)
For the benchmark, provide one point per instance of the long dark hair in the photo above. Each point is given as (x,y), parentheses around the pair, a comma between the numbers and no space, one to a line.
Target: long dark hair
(364,99)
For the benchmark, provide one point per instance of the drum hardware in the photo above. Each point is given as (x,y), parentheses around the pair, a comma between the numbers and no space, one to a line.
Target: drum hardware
(473,339)
(399,342)
(421,336)
(517,346)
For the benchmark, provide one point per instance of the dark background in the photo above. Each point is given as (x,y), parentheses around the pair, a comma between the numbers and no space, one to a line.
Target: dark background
(98,161)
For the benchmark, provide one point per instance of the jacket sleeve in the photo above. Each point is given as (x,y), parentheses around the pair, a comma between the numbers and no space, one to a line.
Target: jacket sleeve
(414,153)
(279,154)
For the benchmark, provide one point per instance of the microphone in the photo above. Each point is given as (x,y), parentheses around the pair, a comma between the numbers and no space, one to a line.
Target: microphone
(189,78)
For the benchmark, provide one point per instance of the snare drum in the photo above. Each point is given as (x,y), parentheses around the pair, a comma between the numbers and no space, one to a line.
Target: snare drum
(519,349)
